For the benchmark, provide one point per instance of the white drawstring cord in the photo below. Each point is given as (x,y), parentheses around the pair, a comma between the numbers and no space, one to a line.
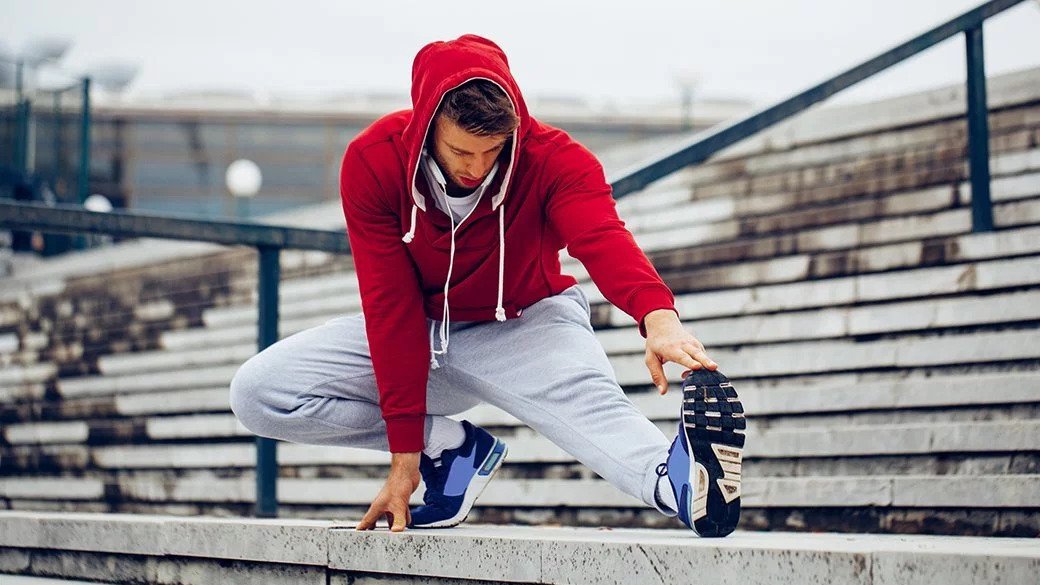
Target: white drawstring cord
(446,311)
(500,312)
(411,230)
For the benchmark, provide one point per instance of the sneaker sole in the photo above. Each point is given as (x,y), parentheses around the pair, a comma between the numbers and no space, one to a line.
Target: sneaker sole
(487,470)
(714,425)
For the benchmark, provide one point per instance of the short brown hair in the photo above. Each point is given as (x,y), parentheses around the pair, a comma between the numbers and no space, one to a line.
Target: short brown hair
(480,107)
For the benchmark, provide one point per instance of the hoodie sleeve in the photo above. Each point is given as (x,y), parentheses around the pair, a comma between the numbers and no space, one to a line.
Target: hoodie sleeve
(391,301)
(582,210)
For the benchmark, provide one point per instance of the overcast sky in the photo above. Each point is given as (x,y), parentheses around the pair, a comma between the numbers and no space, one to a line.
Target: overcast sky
(760,50)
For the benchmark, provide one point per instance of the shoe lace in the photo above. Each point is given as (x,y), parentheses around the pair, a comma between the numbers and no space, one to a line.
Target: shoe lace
(434,477)
(662,469)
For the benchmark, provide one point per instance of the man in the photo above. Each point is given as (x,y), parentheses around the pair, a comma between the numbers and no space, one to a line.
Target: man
(456,210)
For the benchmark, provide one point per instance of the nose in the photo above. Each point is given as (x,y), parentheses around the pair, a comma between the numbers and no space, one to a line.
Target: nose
(480,167)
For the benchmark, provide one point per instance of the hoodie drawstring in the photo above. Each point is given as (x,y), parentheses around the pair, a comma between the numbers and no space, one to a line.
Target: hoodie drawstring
(411,230)
(500,312)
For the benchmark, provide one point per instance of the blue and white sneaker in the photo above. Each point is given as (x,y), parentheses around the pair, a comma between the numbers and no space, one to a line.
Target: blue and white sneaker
(703,463)
(454,484)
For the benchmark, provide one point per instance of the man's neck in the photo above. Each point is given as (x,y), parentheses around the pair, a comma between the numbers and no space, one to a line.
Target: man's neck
(455,191)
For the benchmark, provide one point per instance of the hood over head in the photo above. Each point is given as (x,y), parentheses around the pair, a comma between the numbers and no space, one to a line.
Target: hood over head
(441,66)
(438,68)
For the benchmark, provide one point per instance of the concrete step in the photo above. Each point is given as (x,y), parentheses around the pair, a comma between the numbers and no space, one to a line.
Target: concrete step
(760,399)
(787,441)
(76,431)
(824,160)
(784,269)
(23,580)
(790,443)
(323,291)
(13,377)
(812,266)
(999,491)
(913,283)
(52,488)
(855,171)
(836,237)
(977,276)
(76,460)
(329,292)
(208,550)
(926,314)
(797,395)
(172,401)
(781,359)
(1005,188)
(196,378)
(819,228)
(768,189)
(845,355)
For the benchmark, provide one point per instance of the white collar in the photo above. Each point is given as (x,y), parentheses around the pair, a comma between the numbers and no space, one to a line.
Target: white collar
(434,170)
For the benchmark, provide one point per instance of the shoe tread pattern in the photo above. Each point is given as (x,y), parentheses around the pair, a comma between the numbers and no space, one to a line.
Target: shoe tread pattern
(713,419)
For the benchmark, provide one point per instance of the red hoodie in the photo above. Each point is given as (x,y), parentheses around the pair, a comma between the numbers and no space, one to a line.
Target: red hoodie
(550,193)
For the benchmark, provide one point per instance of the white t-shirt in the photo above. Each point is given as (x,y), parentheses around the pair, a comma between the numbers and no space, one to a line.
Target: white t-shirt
(459,207)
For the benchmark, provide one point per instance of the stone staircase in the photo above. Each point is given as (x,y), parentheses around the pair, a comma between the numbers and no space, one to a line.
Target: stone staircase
(167,550)
(888,357)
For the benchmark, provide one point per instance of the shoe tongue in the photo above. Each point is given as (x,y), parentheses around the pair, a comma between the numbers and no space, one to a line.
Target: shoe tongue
(426,467)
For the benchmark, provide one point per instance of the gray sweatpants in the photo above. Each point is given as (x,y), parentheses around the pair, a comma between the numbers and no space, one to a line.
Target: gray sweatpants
(546,368)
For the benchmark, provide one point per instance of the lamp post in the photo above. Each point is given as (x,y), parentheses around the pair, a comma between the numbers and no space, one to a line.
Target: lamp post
(243,179)
(687,80)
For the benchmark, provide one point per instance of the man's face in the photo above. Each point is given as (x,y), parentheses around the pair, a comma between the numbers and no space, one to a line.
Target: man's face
(465,158)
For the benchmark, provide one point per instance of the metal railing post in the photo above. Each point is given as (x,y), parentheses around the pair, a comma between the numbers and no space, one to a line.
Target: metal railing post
(23,112)
(83,184)
(267,334)
(978,133)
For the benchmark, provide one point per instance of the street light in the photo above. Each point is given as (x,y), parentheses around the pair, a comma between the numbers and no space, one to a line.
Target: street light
(100,204)
(243,179)
(114,76)
(687,80)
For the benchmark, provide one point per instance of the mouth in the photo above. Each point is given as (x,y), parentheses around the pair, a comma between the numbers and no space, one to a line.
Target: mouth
(469,182)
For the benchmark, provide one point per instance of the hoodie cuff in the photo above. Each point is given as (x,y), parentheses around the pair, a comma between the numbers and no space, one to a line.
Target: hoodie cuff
(650,299)
(406,434)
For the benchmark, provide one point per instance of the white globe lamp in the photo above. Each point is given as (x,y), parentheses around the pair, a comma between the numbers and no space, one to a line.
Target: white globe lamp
(243,179)
(98,202)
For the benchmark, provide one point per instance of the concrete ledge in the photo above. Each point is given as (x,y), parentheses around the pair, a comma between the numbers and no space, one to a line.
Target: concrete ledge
(509,554)
(975,492)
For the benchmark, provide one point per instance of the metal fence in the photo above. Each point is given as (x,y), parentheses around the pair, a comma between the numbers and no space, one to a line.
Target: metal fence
(45,152)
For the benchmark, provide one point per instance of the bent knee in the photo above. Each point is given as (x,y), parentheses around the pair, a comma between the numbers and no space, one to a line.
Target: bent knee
(249,398)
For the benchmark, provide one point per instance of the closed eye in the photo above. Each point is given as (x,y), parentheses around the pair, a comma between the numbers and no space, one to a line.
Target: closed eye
(464,153)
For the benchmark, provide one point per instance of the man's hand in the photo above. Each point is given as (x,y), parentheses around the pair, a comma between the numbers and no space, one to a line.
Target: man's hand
(392,501)
(667,341)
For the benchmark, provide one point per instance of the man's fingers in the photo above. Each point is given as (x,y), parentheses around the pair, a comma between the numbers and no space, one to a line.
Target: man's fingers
(400,515)
(369,519)
(699,356)
(683,358)
(656,372)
